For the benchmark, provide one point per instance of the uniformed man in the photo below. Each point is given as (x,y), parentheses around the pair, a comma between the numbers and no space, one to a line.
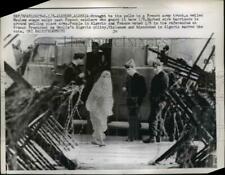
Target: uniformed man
(94,68)
(136,91)
(159,85)
(73,73)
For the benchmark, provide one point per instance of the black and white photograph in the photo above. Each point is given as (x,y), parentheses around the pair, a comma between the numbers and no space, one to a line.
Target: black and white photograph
(109,103)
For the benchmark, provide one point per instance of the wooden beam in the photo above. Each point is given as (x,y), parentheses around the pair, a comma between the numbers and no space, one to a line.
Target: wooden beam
(15,76)
(10,40)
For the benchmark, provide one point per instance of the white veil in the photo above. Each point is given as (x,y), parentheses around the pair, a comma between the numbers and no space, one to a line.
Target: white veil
(100,99)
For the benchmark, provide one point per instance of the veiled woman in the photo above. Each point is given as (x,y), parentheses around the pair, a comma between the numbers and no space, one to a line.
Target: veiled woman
(100,104)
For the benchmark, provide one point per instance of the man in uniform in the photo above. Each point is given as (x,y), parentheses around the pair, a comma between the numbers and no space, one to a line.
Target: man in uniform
(73,71)
(159,85)
(136,91)
(94,68)
(164,53)
(72,75)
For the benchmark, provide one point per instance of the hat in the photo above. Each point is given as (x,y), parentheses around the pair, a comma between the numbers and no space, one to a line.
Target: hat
(95,44)
(166,47)
(78,55)
(130,63)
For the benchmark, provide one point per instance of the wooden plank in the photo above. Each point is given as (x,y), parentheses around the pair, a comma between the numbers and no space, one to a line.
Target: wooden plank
(15,76)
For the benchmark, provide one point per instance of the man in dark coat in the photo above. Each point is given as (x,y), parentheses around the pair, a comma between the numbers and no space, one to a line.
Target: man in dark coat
(94,68)
(164,53)
(159,85)
(95,62)
(73,73)
(136,91)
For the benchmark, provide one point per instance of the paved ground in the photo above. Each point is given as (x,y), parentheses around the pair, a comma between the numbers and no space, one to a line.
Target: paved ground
(119,154)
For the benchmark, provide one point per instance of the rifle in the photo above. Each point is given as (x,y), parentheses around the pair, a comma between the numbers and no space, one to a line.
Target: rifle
(198,58)
(180,68)
(206,137)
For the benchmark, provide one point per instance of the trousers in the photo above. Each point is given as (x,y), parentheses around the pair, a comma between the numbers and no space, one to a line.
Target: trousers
(155,119)
(134,123)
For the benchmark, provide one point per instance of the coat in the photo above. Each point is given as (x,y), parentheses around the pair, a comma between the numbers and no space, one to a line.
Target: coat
(136,88)
(159,85)
(71,73)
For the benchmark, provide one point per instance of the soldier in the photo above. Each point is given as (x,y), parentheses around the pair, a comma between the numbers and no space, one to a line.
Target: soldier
(95,60)
(73,71)
(94,68)
(159,85)
(136,91)
(72,75)
(164,53)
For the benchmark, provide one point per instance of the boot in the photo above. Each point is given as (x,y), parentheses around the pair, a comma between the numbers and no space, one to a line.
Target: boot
(151,139)
(158,138)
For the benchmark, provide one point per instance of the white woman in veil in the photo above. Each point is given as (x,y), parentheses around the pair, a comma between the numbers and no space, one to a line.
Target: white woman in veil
(100,104)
